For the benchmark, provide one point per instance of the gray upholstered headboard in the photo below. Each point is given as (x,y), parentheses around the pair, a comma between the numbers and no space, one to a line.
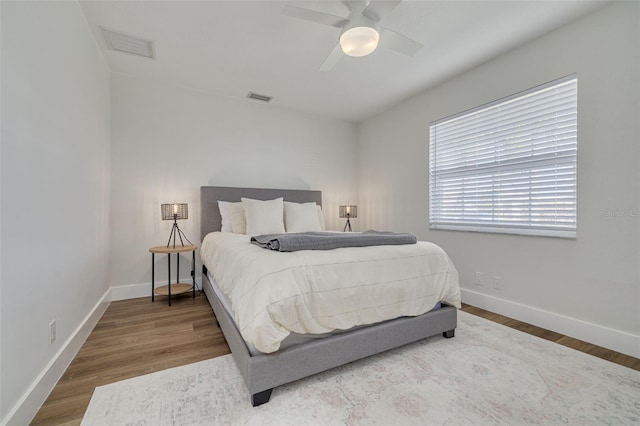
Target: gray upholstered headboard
(209,195)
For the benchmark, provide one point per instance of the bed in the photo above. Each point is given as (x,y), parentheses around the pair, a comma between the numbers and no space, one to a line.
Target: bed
(264,371)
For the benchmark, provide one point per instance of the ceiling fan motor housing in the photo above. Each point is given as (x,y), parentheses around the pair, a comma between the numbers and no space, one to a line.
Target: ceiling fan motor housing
(359,32)
(360,36)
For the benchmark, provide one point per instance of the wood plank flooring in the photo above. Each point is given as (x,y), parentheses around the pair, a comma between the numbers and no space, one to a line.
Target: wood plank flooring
(136,337)
(570,342)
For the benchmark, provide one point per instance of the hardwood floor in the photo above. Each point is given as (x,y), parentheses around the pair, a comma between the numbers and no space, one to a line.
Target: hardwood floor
(570,342)
(136,337)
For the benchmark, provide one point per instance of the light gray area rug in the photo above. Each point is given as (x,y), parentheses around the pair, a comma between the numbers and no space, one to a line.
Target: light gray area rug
(487,374)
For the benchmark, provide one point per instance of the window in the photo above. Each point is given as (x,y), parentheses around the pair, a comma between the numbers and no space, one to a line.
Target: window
(508,166)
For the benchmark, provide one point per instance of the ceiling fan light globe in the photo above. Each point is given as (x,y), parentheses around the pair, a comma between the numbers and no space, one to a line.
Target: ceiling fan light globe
(359,41)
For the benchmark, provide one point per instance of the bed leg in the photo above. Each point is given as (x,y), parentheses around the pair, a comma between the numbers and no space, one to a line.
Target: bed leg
(261,397)
(448,334)
(217,323)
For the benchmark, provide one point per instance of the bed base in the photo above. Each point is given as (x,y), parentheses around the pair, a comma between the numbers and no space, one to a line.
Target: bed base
(263,372)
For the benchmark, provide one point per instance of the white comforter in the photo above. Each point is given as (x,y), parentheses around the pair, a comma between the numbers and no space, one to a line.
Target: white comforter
(319,291)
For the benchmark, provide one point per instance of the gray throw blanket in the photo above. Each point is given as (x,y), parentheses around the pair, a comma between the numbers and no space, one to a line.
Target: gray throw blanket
(330,240)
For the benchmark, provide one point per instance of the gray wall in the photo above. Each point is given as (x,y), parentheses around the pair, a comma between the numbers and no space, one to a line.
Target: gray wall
(585,286)
(55,185)
(168,141)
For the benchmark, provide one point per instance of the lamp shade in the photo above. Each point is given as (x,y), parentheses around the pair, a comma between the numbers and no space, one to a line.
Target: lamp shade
(174,211)
(359,41)
(348,211)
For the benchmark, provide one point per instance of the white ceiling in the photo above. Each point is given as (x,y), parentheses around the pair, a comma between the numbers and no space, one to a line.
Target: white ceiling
(233,47)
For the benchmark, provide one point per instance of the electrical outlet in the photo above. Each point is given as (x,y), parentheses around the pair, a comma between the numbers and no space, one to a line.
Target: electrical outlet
(478,278)
(497,282)
(52,331)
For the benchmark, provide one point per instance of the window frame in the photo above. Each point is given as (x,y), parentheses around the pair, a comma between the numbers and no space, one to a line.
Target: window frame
(524,227)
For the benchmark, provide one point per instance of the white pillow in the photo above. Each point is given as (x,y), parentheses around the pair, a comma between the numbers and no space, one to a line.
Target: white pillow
(264,217)
(301,217)
(223,206)
(321,218)
(236,216)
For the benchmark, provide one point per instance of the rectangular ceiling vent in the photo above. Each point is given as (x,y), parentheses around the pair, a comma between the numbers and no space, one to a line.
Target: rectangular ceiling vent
(129,44)
(259,97)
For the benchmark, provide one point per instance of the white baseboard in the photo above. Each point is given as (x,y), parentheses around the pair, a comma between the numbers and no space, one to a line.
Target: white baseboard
(28,406)
(34,397)
(609,338)
(31,401)
(134,291)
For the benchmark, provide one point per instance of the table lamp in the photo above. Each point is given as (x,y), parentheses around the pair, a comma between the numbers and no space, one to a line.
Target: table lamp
(175,212)
(348,212)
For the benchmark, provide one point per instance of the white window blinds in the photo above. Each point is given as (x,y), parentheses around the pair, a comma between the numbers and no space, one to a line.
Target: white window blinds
(509,166)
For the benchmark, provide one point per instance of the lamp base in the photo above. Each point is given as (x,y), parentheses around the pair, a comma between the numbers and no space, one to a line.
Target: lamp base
(347,225)
(175,230)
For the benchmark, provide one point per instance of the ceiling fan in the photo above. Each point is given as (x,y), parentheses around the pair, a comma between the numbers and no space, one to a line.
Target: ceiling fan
(360,33)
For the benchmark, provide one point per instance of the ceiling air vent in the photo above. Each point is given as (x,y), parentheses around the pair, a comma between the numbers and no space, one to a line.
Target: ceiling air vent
(127,43)
(259,97)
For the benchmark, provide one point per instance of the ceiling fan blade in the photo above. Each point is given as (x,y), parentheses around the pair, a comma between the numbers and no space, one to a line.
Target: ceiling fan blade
(333,58)
(377,10)
(398,42)
(313,16)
